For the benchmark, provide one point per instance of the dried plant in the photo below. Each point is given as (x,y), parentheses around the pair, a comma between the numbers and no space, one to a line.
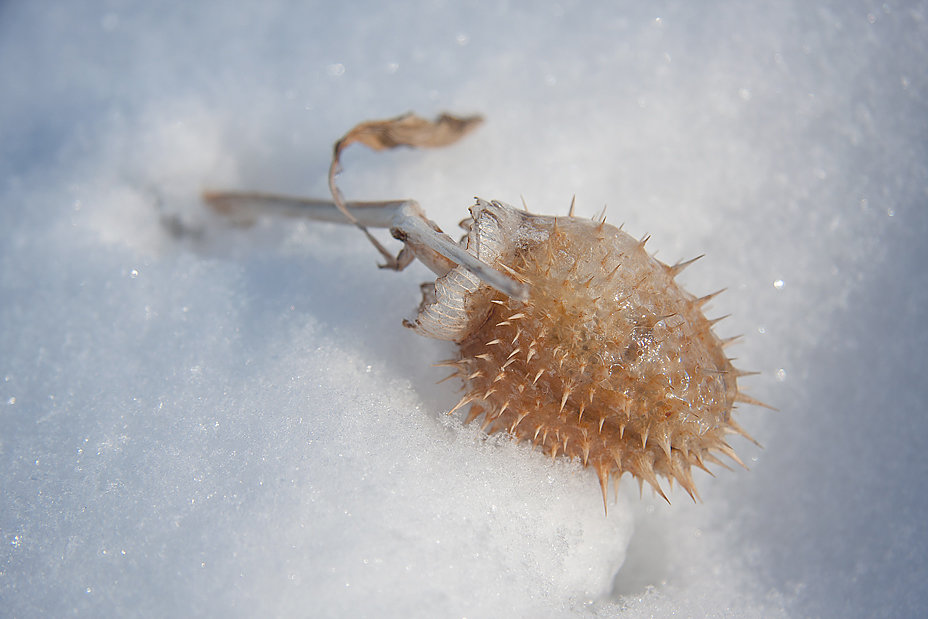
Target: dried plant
(570,335)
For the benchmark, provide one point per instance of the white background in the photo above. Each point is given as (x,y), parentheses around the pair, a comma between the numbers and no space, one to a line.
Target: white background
(235,423)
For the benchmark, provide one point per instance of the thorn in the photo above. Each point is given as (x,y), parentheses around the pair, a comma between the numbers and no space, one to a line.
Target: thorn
(538,375)
(746,399)
(515,351)
(602,217)
(726,449)
(643,241)
(664,444)
(585,447)
(646,470)
(563,401)
(524,205)
(711,458)
(473,413)
(467,399)
(573,202)
(714,321)
(602,420)
(493,342)
(735,428)
(685,477)
(616,454)
(511,271)
(614,271)
(678,267)
(603,474)
(516,316)
(697,461)
(531,353)
(448,377)
(728,341)
(691,490)
(518,420)
(705,299)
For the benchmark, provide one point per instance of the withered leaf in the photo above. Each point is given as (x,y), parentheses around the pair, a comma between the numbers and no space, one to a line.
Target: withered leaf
(409,130)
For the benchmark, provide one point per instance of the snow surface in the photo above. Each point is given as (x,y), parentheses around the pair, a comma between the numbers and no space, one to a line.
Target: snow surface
(236,424)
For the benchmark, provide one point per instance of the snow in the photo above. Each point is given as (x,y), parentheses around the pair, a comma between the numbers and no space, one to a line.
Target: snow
(234,423)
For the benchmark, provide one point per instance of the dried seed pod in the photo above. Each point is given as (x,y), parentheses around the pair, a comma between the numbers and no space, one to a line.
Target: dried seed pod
(608,361)
(570,335)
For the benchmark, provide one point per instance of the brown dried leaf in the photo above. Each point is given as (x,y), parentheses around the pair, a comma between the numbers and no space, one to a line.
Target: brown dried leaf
(409,130)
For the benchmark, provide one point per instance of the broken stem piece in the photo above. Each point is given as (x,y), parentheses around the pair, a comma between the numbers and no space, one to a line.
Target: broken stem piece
(244,207)
(415,231)
(405,219)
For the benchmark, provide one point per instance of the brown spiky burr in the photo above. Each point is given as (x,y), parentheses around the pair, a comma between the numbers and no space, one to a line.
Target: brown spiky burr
(608,361)
(570,335)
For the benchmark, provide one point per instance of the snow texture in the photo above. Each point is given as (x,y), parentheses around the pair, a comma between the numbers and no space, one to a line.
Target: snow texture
(233,422)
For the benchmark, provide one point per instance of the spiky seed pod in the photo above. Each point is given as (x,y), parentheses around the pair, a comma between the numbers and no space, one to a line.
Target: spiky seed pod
(608,361)
(570,335)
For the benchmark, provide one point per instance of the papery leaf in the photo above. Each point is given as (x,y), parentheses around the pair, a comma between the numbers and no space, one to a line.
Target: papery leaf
(409,130)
